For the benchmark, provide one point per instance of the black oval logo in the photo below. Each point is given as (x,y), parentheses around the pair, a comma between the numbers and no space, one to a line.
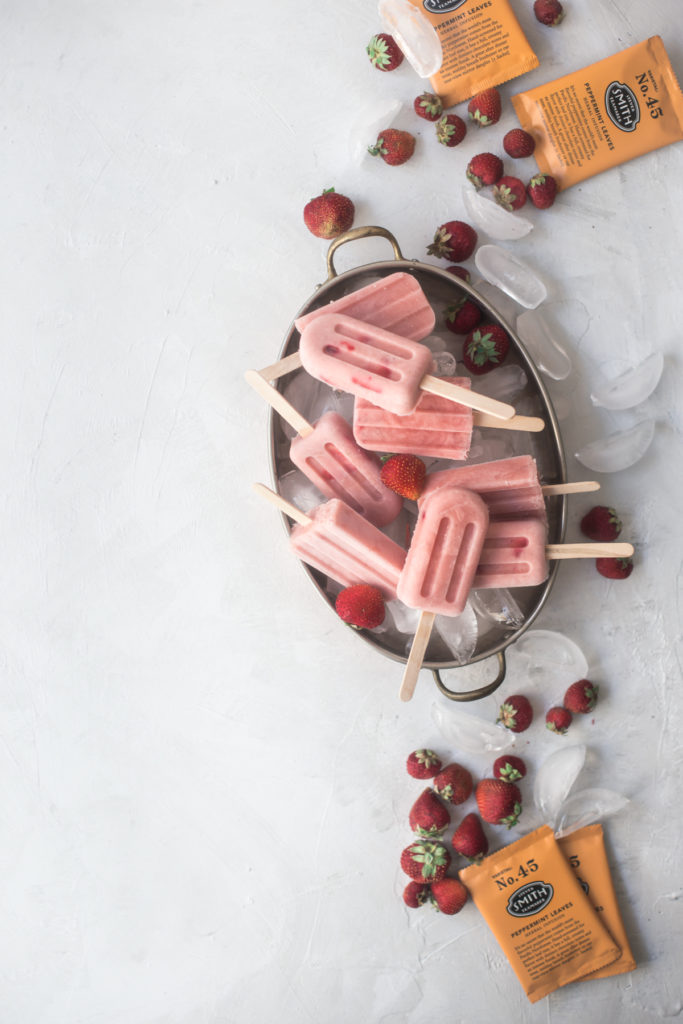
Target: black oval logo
(622,106)
(530,899)
(442,6)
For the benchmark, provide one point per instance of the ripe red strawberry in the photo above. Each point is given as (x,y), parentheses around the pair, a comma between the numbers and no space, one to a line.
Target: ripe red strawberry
(510,193)
(428,817)
(614,568)
(469,839)
(415,894)
(581,697)
(485,107)
(484,169)
(517,143)
(404,474)
(462,316)
(451,130)
(394,146)
(558,720)
(509,768)
(461,272)
(329,214)
(423,764)
(454,240)
(549,12)
(454,783)
(601,523)
(516,713)
(485,348)
(384,52)
(542,190)
(499,803)
(449,895)
(361,605)
(425,861)
(429,106)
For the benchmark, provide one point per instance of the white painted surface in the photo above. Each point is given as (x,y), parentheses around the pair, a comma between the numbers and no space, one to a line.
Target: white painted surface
(203,795)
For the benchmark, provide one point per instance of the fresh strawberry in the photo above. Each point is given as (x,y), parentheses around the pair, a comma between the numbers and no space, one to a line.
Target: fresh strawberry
(542,190)
(485,348)
(614,568)
(429,106)
(451,130)
(404,474)
(516,713)
(384,52)
(394,146)
(423,764)
(454,783)
(461,272)
(361,605)
(601,523)
(415,894)
(509,768)
(510,193)
(454,240)
(581,697)
(485,107)
(425,861)
(469,839)
(548,12)
(449,895)
(462,316)
(517,143)
(329,214)
(499,803)
(484,169)
(558,720)
(428,817)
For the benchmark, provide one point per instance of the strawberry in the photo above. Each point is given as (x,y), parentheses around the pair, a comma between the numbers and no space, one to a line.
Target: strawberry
(361,605)
(415,894)
(601,523)
(449,895)
(484,169)
(485,348)
(329,214)
(461,272)
(485,107)
(509,768)
(394,146)
(451,130)
(454,783)
(516,713)
(542,190)
(454,240)
(614,568)
(510,193)
(429,106)
(384,52)
(423,764)
(499,803)
(469,839)
(462,316)
(425,861)
(581,697)
(548,12)
(404,474)
(558,720)
(428,817)
(517,143)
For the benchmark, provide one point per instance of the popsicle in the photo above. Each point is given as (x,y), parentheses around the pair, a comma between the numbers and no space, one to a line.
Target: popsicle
(326,452)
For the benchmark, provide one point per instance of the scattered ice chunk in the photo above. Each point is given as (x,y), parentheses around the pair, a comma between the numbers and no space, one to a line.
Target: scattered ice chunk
(405,619)
(435,343)
(444,364)
(504,306)
(490,217)
(632,387)
(498,607)
(486,447)
(618,451)
(459,633)
(415,35)
(545,649)
(469,733)
(298,489)
(373,118)
(511,275)
(546,351)
(504,383)
(588,806)
(555,778)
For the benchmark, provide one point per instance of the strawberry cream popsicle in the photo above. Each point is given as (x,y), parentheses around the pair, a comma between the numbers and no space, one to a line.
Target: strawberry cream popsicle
(509,487)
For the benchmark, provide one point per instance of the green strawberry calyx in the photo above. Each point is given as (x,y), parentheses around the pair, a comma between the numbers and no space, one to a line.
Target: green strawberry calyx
(482,349)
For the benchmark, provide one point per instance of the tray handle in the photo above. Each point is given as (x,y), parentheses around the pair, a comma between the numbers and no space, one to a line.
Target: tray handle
(481,691)
(369,231)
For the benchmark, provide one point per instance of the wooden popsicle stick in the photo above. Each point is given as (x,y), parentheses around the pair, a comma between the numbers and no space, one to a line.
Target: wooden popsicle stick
(618,549)
(278,401)
(285,506)
(531,424)
(470,399)
(416,656)
(281,367)
(578,487)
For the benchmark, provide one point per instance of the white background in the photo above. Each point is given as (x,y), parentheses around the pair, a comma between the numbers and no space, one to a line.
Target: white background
(202,788)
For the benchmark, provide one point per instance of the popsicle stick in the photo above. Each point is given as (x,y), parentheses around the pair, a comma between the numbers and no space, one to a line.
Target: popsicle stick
(578,487)
(416,656)
(532,424)
(281,367)
(444,388)
(285,506)
(616,549)
(278,401)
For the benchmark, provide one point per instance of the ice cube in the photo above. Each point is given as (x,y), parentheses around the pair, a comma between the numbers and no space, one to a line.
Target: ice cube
(490,217)
(444,364)
(435,343)
(505,384)
(618,451)
(555,778)
(404,619)
(632,387)
(546,649)
(470,733)
(543,346)
(588,806)
(459,633)
(415,35)
(373,118)
(498,607)
(299,490)
(504,306)
(511,275)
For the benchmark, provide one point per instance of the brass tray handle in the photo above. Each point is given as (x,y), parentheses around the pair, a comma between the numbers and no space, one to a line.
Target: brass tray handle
(481,691)
(369,231)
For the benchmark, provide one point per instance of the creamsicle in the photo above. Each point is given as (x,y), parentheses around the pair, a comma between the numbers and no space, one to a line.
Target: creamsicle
(509,487)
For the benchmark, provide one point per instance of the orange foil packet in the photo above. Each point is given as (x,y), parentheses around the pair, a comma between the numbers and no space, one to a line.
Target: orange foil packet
(604,114)
(538,911)
(585,851)
(483,45)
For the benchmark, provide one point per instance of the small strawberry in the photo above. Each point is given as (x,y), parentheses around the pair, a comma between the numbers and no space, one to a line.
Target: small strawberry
(558,720)
(509,768)
(601,523)
(423,764)
(454,240)
(485,348)
(451,130)
(329,214)
(614,568)
(542,190)
(499,803)
(428,817)
(361,605)
(449,895)
(469,839)
(484,169)
(517,143)
(404,474)
(581,697)
(454,783)
(394,146)
(548,12)
(462,316)
(516,713)
(384,52)
(429,106)
(425,861)
(461,272)
(415,894)
(510,193)
(485,107)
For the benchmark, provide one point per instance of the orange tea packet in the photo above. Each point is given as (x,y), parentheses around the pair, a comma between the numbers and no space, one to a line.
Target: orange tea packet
(542,918)
(483,45)
(604,114)
(585,851)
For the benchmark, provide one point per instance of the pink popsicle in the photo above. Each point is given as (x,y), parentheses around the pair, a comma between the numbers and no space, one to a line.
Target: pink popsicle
(509,487)
(513,555)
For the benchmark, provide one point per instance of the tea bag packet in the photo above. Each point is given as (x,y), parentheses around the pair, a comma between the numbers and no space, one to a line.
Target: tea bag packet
(538,910)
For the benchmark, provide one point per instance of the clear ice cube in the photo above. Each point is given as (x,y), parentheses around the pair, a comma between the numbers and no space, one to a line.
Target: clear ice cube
(555,778)
(505,384)
(511,275)
(298,489)
(632,387)
(415,35)
(404,619)
(503,305)
(618,451)
(459,632)
(497,607)
(469,733)
(435,343)
(544,348)
(588,806)
(547,650)
(490,217)
(444,364)
(373,118)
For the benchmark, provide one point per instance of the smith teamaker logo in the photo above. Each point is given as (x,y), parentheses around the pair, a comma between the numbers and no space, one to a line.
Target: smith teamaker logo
(442,6)
(530,899)
(622,106)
